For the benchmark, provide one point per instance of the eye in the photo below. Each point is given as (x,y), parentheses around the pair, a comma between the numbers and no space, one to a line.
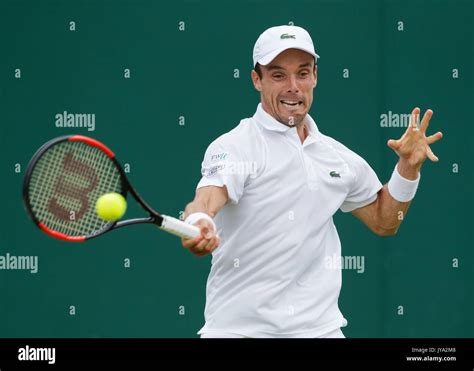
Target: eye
(277,76)
(304,73)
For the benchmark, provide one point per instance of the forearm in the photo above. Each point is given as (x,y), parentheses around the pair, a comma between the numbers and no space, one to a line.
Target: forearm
(208,200)
(392,212)
(198,206)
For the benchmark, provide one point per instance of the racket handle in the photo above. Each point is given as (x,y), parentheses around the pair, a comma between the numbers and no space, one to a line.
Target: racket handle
(179,228)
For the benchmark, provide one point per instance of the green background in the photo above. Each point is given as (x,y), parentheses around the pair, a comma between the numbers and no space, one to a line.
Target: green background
(191,73)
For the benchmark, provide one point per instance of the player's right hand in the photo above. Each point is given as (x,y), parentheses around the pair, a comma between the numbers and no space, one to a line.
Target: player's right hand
(204,244)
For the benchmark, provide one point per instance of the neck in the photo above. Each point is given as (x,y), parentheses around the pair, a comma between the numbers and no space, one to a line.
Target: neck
(302,130)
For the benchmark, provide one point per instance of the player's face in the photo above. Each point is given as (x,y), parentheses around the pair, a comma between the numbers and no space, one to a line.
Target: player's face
(287,85)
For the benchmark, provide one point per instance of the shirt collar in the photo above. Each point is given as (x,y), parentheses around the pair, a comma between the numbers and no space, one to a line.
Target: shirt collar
(270,123)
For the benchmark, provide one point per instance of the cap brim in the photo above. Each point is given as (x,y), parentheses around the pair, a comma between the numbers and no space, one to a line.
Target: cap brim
(271,56)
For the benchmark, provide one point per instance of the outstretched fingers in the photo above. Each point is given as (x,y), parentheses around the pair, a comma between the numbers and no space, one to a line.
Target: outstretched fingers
(426,121)
(434,138)
(414,119)
(431,155)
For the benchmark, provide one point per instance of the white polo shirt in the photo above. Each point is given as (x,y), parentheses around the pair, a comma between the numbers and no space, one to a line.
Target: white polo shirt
(270,276)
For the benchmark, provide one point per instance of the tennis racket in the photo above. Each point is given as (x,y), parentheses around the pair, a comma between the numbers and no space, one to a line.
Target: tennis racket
(63,181)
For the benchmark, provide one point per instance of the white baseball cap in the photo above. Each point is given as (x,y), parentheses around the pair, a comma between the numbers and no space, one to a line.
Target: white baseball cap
(275,40)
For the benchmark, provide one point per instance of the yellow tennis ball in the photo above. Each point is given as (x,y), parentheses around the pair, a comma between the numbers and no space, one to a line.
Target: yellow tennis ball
(111,206)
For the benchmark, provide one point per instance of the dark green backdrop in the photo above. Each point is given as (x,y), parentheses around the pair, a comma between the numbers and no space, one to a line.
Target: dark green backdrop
(191,73)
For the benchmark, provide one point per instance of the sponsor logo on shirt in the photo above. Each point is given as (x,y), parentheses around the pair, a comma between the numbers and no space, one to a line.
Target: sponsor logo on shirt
(230,168)
(335,174)
(212,170)
(219,157)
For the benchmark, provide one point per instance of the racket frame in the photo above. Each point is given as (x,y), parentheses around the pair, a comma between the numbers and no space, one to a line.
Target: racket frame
(154,218)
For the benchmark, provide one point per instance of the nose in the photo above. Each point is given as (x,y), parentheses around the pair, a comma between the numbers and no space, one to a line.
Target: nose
(293,87)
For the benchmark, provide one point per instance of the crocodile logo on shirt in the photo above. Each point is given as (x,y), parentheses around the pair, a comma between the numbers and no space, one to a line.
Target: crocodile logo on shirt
(335,174)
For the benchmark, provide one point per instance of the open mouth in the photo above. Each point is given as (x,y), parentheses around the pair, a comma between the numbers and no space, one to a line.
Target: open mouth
(291,103)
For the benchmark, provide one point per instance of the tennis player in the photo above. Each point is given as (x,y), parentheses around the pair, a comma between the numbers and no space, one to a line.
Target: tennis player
(268,193)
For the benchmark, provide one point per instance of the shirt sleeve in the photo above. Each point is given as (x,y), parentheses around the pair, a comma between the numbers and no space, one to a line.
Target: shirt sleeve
(220,168)
(364,188)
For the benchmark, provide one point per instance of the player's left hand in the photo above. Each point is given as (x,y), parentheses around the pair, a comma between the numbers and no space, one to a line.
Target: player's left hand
(414,146)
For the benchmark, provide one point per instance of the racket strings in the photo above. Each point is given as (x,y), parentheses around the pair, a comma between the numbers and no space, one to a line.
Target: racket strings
(65,184)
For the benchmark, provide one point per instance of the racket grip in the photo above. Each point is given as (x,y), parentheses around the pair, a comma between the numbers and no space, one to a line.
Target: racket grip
(179,228)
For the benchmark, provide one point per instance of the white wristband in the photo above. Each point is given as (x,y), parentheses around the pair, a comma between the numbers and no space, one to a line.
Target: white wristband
(402,189)
(194,217)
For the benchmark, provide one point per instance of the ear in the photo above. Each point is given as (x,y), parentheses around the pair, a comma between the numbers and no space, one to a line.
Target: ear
(257,83)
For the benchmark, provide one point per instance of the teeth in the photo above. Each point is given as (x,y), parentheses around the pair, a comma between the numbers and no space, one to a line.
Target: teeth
(290,102)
